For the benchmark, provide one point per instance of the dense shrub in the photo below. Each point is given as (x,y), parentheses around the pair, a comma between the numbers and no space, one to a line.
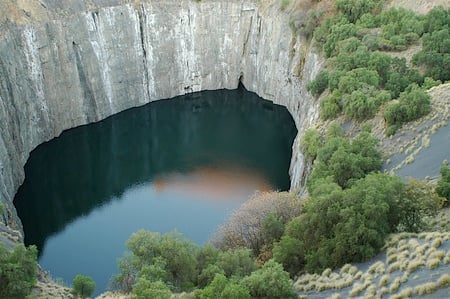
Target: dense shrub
(311,142)
(271,281)
(346,161)
(330,106)
(224,288)
(17,271)
(443,186)
(83,286)
(418,201)
(354,9)
(171,256)
(245,226)
(435,55)
(319,84)
(412,104)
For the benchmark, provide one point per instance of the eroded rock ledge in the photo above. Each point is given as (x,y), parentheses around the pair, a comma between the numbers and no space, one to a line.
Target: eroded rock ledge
(69,63)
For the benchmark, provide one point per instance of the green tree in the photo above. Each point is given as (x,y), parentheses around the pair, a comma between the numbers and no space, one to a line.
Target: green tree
(418,201)
(311,142)
(145,289)
(354,9)
(271,281)
(435,55)
(178,254)
(223,288)
(17,271)
(443,186)
(290,253)
(83,286)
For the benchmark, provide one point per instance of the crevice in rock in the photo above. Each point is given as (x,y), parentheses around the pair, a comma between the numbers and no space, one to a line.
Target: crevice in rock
(141,17)
(88,93)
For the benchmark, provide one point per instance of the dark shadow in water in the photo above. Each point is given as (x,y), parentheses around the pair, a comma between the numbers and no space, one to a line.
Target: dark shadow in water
(89,166)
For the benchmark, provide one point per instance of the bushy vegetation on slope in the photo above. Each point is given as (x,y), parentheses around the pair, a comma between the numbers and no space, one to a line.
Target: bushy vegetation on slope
(361,75)
(17,271)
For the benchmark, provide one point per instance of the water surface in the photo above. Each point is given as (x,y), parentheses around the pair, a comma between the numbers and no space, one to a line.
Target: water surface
(181,164)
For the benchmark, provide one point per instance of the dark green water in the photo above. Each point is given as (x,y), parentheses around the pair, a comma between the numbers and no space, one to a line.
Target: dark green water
(181,164)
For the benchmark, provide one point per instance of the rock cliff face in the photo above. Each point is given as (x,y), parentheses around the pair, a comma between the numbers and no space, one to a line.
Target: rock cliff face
(69,63)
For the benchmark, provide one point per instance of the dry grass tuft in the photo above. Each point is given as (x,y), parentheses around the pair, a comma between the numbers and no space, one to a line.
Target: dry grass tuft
(425,288)
(394,285)
(436,242)
(357,289)
(384,280)
(433,263)
(444,280)
(394,267)
(415,264)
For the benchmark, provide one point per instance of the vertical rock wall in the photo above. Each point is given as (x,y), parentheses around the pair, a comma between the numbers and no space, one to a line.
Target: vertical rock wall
(81,63)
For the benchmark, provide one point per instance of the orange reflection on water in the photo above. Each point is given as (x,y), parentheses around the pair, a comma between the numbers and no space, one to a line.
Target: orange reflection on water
(214,183)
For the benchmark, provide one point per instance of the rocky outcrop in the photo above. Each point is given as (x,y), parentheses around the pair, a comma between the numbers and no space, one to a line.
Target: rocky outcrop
(69,63)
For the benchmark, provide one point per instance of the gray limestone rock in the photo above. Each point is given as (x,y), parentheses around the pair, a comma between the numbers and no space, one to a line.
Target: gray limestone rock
(83,61)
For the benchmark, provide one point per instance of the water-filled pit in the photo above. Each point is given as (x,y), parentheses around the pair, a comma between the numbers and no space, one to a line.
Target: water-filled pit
(180,164)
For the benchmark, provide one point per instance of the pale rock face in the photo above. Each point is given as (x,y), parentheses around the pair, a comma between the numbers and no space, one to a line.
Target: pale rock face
(91,62)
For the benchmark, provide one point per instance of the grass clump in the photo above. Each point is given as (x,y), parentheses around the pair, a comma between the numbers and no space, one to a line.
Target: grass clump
(444,280)
(384,280)
(433,263)
(395,285)
(425,288)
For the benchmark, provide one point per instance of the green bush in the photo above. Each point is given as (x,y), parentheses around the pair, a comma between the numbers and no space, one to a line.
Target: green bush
(17,271)
(412,104)
(418,201)
(271,281)
(435,55)
(310,143)
(443,186)
(169,257)
(145,289)
(346,161)
(319,84)
(83,286)
(330,106)
(354,9)
(223,288)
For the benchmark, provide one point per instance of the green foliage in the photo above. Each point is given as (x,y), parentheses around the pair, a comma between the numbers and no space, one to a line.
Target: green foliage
(145,289)
(412,104)
(330,106)
(311,142)
(223,288)
(338,33)
(346,161)
(237,262)
(319,84)
(273,227)
(17,271)
(271,281)
(290,253)
(435,55)
(443,186)
(245,226)
(364,103)
(418,201)
(285,4)
(312,21)
(83,286)
(354,9)
(437,19)
(170,258)
(340,226)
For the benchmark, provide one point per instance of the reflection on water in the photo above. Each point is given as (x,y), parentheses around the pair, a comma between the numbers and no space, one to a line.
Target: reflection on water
(176,164)
(213,183)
